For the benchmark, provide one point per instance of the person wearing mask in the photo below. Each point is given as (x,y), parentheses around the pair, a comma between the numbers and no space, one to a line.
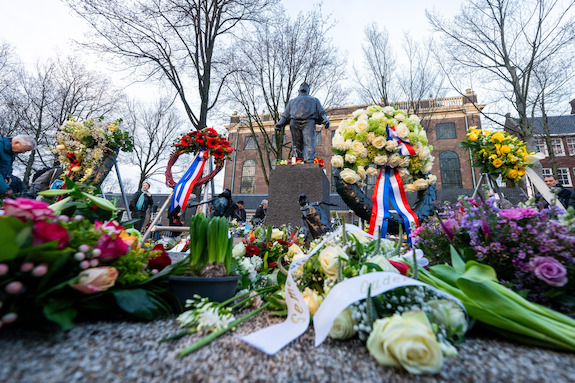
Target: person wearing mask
(9,149)
(261,212)
(562,193)
(140,203)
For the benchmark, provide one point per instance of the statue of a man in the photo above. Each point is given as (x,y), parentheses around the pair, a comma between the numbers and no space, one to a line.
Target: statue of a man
(303,113)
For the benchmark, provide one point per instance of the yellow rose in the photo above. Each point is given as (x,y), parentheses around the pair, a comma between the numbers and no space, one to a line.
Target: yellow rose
(328,258)
(521,171)
(497,162)
(312,299)
(497,137)
(512,174)
(342,327)
(472,136)
(505,149)
(406,341)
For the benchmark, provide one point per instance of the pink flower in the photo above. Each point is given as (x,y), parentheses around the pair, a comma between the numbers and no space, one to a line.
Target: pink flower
(549,270)
(518,213)
(110,227)
(25,208)
(45,232)
(14,287)
(111,248)
(95,280)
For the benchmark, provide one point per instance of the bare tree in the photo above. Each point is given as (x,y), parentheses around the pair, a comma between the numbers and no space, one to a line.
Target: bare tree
(271,62)
(154,127)
(375,82)
(503,42)
(180,41)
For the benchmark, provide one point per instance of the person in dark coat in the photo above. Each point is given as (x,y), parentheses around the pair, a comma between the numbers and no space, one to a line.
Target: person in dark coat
(140,203)
(175,219)
(261,212)
(302,113)
(239,212)
(9,149)
(563,194)
(572,200)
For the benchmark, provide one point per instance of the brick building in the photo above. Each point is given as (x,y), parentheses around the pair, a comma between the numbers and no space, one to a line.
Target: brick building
(562,132)
(444,119)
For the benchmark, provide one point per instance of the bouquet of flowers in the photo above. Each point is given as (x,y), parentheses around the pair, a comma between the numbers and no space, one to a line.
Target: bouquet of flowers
(316,160)
(383,136)
(206,139)
(498,153)
(531,250)
(60,266)
(83,145)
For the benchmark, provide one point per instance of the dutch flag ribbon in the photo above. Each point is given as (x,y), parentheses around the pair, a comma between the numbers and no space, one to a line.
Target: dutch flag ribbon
(405,148)
(184,187)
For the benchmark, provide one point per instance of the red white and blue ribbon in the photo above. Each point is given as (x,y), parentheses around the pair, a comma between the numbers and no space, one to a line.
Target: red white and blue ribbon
(389,186)
(405,148)
(186,184)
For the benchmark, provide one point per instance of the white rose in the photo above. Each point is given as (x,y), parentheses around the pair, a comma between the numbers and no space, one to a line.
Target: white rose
(409,188)
(424,153)
(427,167)
(402,130)
(406,341)
(328,258)
(294,252)
(359,236)
(338,142)
(358,112)
(415,118)
(388,110)
(378,116)
(449,314)
(361,172)
(362,152)
(357,146)
(277,234)
(404,162)
(399,116)
(337,161)
(390,145)
(403,172)
(360,126)
(350,158)
(370,137)
(342,327)
(344,124)
(394,160)
(347,145)
(379,142)
(239,250)
(312,299)
(431,179)
(349,176)
(380,160)
(420,184)
(372,172)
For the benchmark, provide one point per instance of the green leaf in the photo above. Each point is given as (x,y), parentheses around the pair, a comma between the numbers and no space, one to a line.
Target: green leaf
(139,303)
(61,313)
(456,260)
(58,206)
(8,238)
(374,266)
(54,192)
(102,203)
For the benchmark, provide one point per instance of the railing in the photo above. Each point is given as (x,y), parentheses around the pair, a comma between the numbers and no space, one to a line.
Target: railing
(434,103)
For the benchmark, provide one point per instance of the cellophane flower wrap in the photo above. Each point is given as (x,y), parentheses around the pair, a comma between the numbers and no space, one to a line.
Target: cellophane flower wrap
(361,147)
(82,145)
(206,139)
(498,153)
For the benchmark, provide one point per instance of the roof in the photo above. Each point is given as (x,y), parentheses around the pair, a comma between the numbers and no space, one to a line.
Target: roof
(557,124)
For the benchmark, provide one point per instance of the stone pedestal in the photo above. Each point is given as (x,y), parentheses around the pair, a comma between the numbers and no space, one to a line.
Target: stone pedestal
(287,182)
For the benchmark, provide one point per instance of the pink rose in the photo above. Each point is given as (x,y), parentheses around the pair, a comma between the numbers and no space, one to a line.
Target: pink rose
(95,280)
(549,270)
(111,248)
(45,232)
(25,208)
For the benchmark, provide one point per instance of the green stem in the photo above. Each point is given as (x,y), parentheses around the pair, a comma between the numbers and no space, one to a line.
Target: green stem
(178,335)
(207,339)
(260,290)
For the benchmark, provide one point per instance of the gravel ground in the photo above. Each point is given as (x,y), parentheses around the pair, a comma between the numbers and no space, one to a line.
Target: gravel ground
(129,352)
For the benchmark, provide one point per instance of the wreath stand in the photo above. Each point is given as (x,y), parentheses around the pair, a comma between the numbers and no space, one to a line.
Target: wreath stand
(172,184)
(488,180)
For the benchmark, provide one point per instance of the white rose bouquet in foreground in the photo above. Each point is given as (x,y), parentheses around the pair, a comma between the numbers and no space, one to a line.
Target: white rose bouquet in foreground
(365,143)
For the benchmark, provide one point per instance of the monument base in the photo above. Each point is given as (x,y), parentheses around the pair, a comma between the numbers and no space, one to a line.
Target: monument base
(287,182)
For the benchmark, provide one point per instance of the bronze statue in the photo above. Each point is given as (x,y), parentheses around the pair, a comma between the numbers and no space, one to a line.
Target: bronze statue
(315,222)
(303,113)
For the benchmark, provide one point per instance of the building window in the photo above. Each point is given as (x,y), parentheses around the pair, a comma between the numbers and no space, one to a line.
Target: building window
(248,181)
(557,145)
(318,138)
(450,170)
(563,175)
(445,130)
(541,147)
(571,146)
(250,143)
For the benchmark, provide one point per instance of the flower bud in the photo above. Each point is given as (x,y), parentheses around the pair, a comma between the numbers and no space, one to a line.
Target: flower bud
(26,267)
(40,270)
(14,287)
(84,248)
(96,252)
(79,256)
(78,217)
(3,268)
(84,264)
(449,314)
(9,318)
(94,262)
(63,218)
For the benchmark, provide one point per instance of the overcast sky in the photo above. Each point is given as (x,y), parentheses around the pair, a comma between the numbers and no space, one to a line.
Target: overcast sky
(42,29)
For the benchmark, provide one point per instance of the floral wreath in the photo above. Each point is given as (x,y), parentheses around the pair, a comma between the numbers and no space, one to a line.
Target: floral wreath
(377,137)
(83,145)
(498,153)
(207,139)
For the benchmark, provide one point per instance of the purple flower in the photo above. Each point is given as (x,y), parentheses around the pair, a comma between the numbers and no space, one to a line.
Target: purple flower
(450,227)
(549,270)
(518,213)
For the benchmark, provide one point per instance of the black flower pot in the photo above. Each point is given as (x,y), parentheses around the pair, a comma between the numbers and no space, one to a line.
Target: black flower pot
(216,289)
